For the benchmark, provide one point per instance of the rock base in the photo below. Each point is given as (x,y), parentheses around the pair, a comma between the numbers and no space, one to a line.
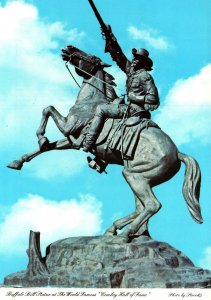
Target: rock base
(103,262)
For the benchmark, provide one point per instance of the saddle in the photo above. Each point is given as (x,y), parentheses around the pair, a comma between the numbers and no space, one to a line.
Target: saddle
(125,138)
(137,118)
(118,134)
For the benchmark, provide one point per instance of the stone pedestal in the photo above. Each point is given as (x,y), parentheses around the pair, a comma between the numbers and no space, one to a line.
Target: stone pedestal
(100,262)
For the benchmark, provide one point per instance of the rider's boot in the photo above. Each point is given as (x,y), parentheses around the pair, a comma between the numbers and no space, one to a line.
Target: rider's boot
(93,133)
(102,112)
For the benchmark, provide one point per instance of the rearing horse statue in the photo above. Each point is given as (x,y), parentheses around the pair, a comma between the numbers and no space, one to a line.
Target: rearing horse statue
(152,160)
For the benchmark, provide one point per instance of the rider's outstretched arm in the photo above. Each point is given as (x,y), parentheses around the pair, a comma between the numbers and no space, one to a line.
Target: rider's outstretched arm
(113,47)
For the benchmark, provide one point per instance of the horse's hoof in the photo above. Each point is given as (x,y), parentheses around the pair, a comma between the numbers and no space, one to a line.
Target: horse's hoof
(118,239)
(111,231)
(108,233)
(43,143)
(16,165)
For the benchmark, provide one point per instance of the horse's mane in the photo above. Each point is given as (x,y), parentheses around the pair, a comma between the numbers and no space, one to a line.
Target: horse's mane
(109,90)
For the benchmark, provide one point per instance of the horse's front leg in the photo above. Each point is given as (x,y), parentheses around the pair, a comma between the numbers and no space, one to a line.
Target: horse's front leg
(59,120)
(58,145)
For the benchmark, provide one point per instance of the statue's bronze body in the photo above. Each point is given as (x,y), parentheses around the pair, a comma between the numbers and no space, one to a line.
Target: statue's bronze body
(154,159)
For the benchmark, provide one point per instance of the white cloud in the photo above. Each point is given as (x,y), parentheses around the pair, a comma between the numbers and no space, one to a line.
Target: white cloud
(32,75)
(185,114)
(28,43)
(55,220)
(205,261)
(150,36)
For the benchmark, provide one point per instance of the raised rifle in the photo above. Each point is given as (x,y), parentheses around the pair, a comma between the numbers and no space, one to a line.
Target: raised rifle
(106,29)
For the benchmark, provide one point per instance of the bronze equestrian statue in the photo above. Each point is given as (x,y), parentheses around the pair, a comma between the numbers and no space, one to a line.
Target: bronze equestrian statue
(149,157)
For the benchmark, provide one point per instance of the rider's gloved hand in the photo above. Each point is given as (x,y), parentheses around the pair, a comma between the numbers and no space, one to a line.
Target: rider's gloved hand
(150,107)
(109,31)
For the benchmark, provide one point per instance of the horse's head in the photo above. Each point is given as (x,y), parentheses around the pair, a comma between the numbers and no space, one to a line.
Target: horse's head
(85,64)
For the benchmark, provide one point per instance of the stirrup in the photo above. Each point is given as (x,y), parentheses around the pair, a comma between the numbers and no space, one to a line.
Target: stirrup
(97,164)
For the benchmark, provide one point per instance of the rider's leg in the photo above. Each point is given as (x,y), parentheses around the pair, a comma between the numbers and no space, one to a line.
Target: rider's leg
(102,112)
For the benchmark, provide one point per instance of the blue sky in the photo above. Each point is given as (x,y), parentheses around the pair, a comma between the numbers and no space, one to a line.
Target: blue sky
(57,194)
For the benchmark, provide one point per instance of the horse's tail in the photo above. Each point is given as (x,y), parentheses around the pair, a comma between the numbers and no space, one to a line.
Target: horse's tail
(191,186)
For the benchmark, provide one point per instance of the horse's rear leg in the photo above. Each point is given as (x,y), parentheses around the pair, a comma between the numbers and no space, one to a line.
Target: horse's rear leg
(121,223)
(139,206)
(151,205)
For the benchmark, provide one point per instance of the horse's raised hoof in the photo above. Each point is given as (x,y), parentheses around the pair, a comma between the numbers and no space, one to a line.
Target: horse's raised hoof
(16,165)
(43,143)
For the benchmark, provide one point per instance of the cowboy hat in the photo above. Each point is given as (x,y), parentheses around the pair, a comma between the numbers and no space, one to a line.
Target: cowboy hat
(143,55)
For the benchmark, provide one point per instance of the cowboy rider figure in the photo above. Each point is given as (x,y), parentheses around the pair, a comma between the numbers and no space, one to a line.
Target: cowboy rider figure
(142,93)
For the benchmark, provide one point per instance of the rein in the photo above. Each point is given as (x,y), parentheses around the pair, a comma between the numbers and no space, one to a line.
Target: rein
(103,81)
(66,65)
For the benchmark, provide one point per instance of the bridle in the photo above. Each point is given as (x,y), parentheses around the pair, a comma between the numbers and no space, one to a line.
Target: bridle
(91,60)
